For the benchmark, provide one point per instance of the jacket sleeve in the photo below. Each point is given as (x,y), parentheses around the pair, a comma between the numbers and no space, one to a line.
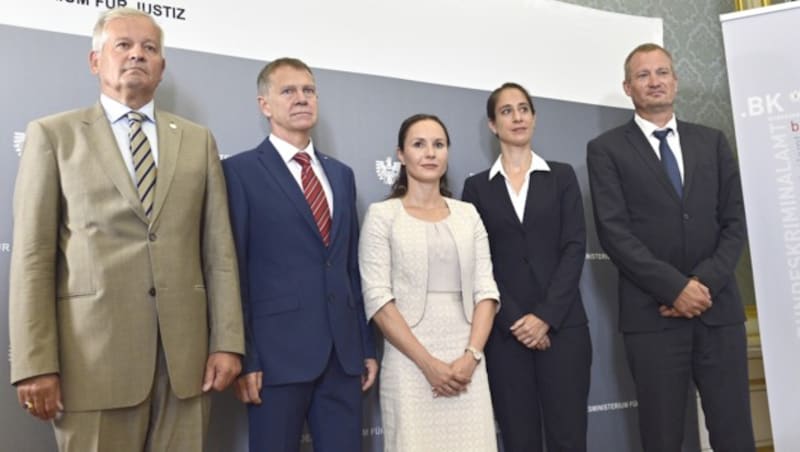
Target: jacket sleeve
(717,269)
(484,285)
(33,329)
(375,258)
(239,210)
(367,335)
(219,262)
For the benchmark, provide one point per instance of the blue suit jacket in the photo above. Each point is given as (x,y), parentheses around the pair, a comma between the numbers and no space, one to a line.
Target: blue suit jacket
(300,298)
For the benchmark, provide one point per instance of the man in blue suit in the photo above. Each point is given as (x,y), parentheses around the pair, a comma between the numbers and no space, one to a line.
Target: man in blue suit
(309,350)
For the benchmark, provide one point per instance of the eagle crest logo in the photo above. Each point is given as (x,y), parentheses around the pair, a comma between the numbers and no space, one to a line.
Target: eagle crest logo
(387,170)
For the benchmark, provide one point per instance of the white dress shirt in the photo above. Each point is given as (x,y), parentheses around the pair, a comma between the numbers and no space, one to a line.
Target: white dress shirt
(287,152)
(519,199)
(673,139)
(117,115)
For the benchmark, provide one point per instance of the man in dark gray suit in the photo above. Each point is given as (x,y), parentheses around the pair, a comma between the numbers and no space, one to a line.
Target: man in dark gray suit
(668,207)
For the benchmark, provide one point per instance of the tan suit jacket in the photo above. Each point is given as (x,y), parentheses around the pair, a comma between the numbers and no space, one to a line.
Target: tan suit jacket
(94,283)
(393,258)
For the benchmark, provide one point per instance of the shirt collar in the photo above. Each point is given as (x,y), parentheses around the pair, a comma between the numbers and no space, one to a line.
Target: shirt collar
(537,164)
(287,150)
(648,127)
(116,111)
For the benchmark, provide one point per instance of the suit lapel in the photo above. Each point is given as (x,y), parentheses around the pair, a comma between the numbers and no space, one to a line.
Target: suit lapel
(104,147)
(169,145)
(537,185)
(689,157)
(463,237)
(277,169)
(500,194)
(638,141)
(336,181)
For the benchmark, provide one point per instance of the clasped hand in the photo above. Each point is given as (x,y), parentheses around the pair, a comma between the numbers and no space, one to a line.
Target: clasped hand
(693,300)
(449,380)
(531,331)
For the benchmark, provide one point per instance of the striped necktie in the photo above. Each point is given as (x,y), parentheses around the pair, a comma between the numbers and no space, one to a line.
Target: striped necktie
(143,162)
(315,195)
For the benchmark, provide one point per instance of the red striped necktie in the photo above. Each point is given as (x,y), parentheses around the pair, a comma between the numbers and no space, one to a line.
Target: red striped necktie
(315,195)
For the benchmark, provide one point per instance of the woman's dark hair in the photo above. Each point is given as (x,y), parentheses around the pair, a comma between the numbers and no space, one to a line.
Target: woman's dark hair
(400,186)
(491,103)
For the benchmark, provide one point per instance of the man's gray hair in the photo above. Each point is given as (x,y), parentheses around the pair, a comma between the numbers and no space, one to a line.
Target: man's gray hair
(99,35)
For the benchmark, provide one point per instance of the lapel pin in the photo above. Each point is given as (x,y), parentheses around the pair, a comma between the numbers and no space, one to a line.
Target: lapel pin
(172,125)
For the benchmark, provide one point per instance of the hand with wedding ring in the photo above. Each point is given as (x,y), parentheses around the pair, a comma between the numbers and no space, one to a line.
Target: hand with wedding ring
(41,396)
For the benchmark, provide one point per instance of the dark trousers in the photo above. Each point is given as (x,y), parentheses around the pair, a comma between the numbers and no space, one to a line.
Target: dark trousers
(664,362)
(331,404)
(546,390)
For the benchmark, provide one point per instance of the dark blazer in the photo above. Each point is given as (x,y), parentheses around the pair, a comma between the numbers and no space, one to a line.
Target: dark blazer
(657,240)
(537,263)
(299,297)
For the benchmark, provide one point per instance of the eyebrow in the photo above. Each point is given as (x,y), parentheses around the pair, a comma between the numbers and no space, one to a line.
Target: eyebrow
(511,105)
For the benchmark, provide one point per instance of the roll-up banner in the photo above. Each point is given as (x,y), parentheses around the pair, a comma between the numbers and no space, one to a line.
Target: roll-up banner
(764,75)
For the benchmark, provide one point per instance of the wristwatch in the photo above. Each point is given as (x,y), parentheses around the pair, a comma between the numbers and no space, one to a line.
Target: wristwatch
(476,354)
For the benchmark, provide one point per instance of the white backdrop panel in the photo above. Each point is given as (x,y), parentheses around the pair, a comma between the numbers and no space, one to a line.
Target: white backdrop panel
(568,52)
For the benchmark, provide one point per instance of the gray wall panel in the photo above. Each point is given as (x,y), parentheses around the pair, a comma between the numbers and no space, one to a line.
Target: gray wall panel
(359,118)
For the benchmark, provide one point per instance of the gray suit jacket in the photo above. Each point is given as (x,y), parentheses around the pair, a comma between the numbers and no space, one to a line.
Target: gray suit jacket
(658,240)
(94,283)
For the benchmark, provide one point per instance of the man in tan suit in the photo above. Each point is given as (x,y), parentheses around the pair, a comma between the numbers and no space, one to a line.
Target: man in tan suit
(124,305)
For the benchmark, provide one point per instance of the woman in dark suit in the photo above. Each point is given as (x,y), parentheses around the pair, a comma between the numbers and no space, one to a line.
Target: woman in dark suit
(539,352)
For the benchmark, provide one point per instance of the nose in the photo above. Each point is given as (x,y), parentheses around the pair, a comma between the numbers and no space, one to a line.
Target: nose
(301,97)
(136,53)
(430,152)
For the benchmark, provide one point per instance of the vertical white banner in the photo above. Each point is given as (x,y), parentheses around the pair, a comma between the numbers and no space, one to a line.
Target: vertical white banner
(764,74)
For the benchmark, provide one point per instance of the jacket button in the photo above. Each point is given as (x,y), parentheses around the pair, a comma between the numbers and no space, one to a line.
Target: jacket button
(686,216)
(331,298)
(152,291)
(152,236)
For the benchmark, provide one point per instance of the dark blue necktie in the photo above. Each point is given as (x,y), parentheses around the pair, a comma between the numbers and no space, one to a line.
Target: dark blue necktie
(669,161)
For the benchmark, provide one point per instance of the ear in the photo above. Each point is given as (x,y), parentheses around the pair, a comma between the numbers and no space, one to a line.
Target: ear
(400,156)
(627,87)
(163,68)
(492,127)
(263,105)
(94,62)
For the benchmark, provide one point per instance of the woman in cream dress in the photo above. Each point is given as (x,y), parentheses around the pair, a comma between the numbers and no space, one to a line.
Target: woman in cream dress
(428,285)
